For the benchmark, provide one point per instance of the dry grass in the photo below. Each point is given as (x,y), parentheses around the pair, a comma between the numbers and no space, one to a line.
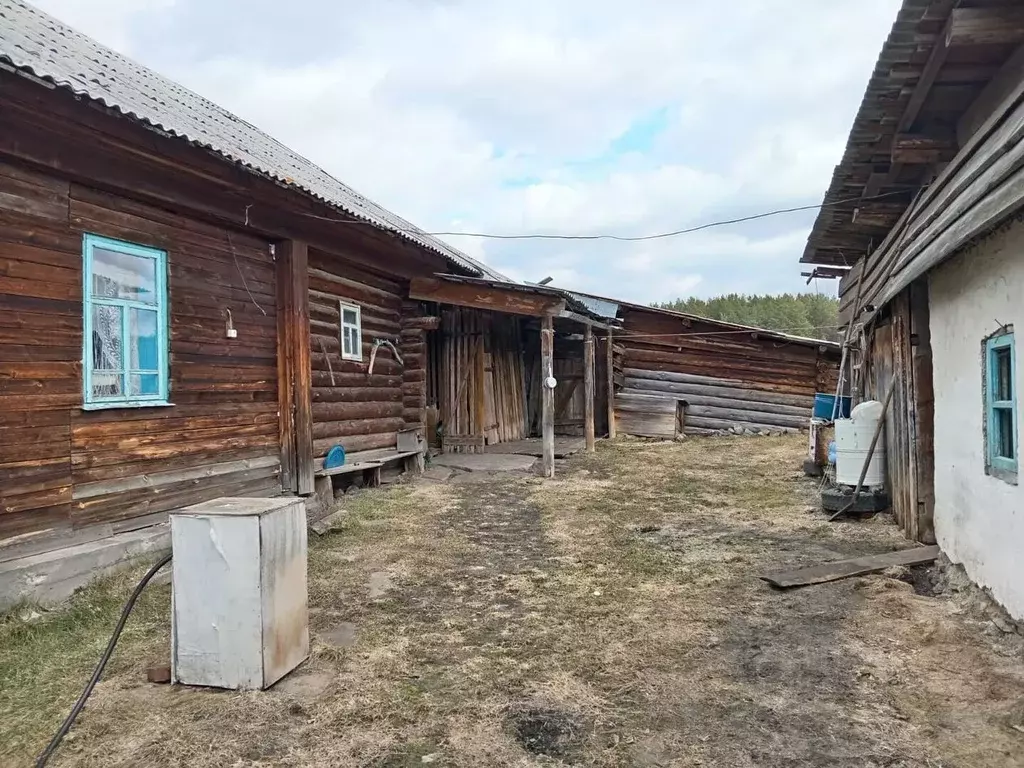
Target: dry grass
(611,617)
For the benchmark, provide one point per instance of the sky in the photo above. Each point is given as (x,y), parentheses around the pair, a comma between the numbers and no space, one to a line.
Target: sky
(545,116)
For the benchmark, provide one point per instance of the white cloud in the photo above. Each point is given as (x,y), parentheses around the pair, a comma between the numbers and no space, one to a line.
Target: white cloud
(488,116)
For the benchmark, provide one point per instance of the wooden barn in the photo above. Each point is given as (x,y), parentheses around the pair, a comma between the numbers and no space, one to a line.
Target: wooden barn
(924,223)
(494,345)
(677,374)
(188,309)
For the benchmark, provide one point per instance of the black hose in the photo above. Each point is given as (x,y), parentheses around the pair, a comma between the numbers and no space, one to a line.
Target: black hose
(44,758)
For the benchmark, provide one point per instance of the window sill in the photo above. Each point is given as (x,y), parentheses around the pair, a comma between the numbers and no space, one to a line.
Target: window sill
(118,406)
(1008,476)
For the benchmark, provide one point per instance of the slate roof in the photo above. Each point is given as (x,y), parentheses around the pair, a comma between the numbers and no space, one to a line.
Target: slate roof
(36,43)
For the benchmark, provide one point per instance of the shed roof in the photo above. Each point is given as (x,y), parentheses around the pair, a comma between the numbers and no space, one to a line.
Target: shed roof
(725,326)
(931,70)
(573,302)
(38,44)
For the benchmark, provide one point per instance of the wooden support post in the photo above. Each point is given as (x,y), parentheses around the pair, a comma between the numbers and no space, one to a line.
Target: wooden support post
(295,360)
(285,372)
(588,388)
(610,352)
(547,368)
(480,390)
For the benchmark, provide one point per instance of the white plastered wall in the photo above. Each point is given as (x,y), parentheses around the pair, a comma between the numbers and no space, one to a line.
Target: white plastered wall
(979,521)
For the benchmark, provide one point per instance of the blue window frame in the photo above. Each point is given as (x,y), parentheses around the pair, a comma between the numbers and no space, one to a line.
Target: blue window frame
(1001,405)
(125,339)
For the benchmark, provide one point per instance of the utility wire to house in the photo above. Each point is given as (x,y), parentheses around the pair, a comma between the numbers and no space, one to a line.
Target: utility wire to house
(618,238)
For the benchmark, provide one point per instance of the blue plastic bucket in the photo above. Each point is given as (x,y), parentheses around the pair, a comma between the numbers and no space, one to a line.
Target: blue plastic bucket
(825,407)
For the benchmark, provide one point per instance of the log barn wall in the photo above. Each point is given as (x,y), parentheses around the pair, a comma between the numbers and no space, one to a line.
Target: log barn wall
(724,377)
(65,471)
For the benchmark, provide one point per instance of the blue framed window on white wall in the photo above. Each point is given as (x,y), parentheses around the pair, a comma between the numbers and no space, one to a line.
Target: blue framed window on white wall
(1001,405)
(125,339)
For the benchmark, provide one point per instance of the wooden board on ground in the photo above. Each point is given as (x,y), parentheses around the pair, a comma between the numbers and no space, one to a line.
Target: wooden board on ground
(532,446)
(857,566)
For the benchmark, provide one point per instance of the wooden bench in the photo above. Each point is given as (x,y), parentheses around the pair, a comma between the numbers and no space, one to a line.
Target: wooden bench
(409,449)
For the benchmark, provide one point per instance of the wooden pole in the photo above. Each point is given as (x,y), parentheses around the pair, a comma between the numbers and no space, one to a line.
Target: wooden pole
(286,371)
(611,385)
(588,388)
(293,266)
(547,368)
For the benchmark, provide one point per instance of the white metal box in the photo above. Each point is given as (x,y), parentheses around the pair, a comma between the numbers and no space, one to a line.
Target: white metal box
(239,601)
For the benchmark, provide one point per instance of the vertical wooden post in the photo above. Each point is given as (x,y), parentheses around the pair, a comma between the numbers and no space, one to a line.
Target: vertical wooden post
(588,388)
(611,385)
(480,403)
(547,370)
(285,371)
(293,271)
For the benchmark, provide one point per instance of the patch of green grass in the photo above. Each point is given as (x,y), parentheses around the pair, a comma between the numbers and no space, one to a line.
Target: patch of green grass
(46,661)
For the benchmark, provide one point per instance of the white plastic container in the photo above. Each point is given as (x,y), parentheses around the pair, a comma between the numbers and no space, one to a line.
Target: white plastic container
(853,438)
(239,602)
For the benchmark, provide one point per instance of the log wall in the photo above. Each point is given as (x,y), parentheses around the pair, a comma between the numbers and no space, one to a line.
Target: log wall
(351,407)
(735,379)
(67,473)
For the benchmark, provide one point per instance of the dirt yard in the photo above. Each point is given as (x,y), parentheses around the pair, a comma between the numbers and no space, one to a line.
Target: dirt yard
(612,617)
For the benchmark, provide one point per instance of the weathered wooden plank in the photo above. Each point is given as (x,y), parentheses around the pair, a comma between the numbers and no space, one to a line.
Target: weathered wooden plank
(626,401)
(351,427)
(758,406)
(857,566)
(202,473)
(588,389)
(355,443)
(486,297)
(356,394)
(716,387)
(738,416)
(911,149)
(643,424)
(720,425)
(610,385)
(985,26)
(547,356)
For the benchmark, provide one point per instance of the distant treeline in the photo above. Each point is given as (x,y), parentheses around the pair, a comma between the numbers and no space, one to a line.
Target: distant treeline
(802,314)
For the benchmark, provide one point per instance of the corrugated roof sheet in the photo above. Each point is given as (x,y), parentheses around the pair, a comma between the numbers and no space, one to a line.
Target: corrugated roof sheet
(48,49)
(601,307)
(788,337)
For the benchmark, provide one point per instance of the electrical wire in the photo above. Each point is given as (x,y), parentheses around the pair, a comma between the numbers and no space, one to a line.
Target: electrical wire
(234,255)
(47,753)
(619,238)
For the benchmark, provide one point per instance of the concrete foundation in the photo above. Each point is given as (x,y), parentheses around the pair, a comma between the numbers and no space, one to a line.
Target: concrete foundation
(51,577)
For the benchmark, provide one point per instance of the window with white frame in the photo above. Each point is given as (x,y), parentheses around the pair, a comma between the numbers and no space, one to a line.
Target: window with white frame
(351,331)
(125,324)
(1001,405)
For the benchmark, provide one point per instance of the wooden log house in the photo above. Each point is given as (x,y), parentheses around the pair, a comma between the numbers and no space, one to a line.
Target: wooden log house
(188,309)
(676,374)
(923,222)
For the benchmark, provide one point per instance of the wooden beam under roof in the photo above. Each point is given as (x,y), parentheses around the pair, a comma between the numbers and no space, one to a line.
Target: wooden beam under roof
(913,148)
(940,50)
(488,297)
(985,26)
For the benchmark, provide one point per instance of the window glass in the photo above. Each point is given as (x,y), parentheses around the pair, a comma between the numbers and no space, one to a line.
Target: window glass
(125,307)
(123,276)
